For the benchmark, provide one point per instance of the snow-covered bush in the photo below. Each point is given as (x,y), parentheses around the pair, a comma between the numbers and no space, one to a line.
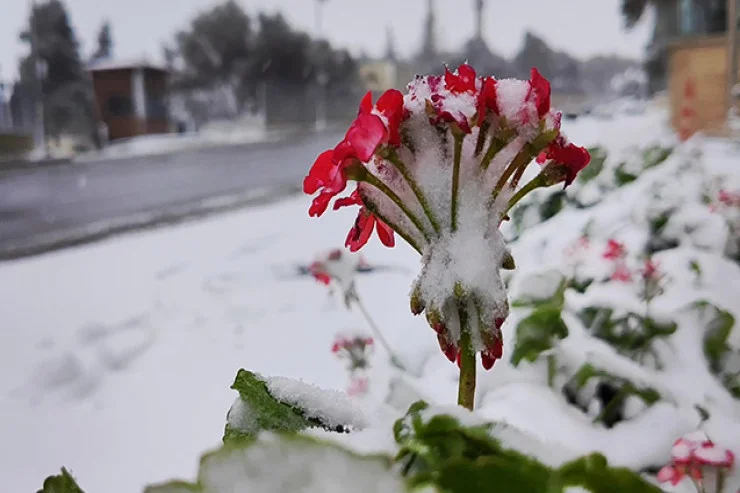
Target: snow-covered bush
(614,347)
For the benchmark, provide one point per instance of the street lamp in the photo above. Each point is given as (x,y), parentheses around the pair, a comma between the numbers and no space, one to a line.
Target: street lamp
(322,78)
(732,53)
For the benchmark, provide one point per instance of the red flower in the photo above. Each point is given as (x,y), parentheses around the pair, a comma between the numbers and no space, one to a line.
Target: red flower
(368,131)
(542,92)
(390,106)
(650,271)
(461,81)
(621,273)
(363,228)
(566,155)
(327,175)
(319,273)
(352,199)
(614,250)
(487,99)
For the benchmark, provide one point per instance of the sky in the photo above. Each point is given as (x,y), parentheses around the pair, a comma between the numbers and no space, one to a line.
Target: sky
(581,27)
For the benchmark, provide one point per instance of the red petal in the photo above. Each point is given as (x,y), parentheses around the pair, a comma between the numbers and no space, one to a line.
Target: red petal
(462,81)
(487,360)
(487,99)
(360,232)
(365,134)
(385,233)
(320,204)
(366,104)
(541,157)
(352,199)
(319,173)
(390,105)
(343,151)
(542,92)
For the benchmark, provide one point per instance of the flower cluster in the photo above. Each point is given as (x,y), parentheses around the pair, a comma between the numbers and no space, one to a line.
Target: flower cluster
(695,457)
(339,268)
(440,166)
(616,253)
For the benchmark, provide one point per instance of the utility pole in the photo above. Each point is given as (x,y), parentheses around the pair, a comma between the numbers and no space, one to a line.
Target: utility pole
(322,77)
(39,72)
(732,52)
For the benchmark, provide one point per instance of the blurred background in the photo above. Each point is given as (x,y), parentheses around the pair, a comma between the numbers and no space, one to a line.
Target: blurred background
(189,125)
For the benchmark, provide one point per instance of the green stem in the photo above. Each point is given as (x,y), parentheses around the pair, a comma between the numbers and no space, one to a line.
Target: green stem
(537,182)
(466,388)
(493,149)
(374,181)
(552,367)
(394,227)
(456,180)
(482,131)
(401,167)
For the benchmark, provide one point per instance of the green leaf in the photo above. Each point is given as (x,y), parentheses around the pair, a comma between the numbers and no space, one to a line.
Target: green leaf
(717,329)
(622,176)
(61,483)
(594,168)
(174,487)
(258,410)
(555,298)
(508,472)
(537,333)
(593,473)
(655,155)
(554,203)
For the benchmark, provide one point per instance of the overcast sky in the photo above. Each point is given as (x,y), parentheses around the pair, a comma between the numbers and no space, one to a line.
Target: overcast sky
(581,27)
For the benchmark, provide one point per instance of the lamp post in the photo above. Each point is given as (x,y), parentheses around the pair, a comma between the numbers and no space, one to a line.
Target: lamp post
(39,72)
(322,78)
(732,51)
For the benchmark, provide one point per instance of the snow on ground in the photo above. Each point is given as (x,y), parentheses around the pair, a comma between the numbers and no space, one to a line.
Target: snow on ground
(118,356)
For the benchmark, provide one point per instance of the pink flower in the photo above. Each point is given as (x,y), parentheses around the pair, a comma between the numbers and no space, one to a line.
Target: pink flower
(692,455)
(621,273)
(614,250)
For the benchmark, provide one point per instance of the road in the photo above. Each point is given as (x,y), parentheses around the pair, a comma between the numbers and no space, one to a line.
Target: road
(57,206)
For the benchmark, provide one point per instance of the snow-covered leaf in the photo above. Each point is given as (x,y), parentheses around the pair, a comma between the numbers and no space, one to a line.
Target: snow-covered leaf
(538,332)
(282,404)
(61,483)
(289,464)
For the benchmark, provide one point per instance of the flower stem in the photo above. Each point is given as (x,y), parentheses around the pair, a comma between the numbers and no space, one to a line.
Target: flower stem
(395,360)
(456,180)
(466,386)
(495,148)
(537,182)
(374,181)
(401,167)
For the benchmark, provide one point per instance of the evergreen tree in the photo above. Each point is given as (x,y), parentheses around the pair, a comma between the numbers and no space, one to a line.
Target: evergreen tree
(105,43)
(65,87)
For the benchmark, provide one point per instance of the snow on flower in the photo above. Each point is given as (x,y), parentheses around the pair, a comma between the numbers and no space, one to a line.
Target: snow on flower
(440,166)
(614,250)
(696,457)
(355,347)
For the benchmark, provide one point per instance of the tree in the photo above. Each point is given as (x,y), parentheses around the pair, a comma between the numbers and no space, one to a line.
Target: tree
(105,43)
(65,88)
(216,48)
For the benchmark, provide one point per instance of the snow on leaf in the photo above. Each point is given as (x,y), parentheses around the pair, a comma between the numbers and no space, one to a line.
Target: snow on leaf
(295,464)
(61,483)
(538,332)
(282,404)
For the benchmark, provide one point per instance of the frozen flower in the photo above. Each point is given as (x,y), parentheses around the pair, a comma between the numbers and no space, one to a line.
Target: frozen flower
(355,348)
(440,166)
(614,250)
(729,199)
(696,457)
(621,273)
(652,280)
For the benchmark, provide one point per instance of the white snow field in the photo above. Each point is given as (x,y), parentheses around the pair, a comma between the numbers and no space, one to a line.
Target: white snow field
(118,356)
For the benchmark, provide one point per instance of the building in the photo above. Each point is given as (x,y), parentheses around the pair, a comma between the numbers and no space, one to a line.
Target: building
(690,46)
(130,97)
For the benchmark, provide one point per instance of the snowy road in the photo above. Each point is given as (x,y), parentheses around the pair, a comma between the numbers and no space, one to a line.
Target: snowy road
(52,206)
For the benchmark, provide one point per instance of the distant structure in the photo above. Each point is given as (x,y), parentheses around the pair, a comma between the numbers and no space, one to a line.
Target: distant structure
(477,52)
(131,97)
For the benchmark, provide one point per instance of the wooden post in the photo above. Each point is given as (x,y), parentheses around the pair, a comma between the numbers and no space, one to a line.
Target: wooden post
(732,51)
